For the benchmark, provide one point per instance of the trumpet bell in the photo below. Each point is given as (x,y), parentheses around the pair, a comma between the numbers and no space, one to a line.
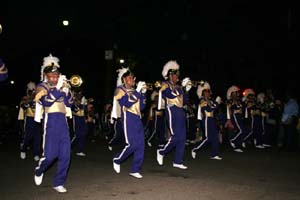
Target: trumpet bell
(76,81)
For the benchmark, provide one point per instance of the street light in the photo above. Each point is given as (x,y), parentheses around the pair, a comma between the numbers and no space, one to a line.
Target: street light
(65,22)
(12,82)
(122,61)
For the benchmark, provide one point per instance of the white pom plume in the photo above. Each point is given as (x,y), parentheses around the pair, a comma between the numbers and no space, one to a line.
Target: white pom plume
(49,61)
(201,87)
(172,64)
(121,72)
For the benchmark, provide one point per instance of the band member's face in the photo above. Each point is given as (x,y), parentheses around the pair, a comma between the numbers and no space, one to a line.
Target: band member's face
(207,93)
(129,80)
(174,78)
(52,77)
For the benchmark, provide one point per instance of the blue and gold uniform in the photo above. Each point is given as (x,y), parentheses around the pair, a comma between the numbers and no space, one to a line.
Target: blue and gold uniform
(54,97)
(132,103)
(174,97)
(79,125)
(32,130)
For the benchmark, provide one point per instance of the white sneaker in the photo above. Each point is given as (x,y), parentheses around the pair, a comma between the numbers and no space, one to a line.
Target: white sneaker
(260,146)
(109,148)
(180,166)
(136,175)
(22,155)
(238,150)
(232,144)
(244,145)
(36,158)
(267,145)
(159,158)
(60,189)
(193,154)
(216,158)
(80,154)
(116,167)
(38,179)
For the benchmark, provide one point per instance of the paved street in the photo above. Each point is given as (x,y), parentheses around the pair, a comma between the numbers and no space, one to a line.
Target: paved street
(255,174)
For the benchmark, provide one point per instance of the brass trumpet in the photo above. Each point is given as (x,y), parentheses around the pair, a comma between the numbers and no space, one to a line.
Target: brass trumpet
(74,81)
(196,83)
(152,86)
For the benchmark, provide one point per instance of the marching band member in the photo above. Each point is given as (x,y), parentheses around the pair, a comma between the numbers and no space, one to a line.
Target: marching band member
(174,97)
(189,109)
(79,123)
(235,115)
(206,111)
(32,130)
(156,122)
(132,102)
(3,71)
(264,108)
(115,116)
(254,117)
(56,99)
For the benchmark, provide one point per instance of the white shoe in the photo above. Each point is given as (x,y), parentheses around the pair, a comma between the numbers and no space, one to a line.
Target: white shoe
(194,154)
(238,150)
(267,145)
(80,154)
(136,175)
(232,144)
(38,179)
(244,145)
(22,155)
(260,146)
(159,158)
(36,158)
(180,166)
(109,148)
(116,167)
(149,144)
(60,189)
(216,158)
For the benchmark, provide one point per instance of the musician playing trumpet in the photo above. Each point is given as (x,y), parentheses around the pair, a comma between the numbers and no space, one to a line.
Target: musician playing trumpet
(55,99)
(132,101)
(173,95)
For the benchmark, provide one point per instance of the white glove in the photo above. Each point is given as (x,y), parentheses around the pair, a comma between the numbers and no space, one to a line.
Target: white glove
(218,100)
(186,81)
(187,84)
(188,87)
(60,82)
(83,101)
(141,86)
(65,90)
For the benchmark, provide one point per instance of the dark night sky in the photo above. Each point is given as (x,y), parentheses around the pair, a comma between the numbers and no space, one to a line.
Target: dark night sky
(224,42)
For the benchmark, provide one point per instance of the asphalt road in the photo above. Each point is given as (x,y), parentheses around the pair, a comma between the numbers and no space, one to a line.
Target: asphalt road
(254,174)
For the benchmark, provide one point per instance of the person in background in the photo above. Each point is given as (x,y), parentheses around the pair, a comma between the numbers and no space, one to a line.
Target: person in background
(32,129)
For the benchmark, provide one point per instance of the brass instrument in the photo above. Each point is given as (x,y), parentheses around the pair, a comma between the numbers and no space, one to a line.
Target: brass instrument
(152,86)
(196,83)
(74,81)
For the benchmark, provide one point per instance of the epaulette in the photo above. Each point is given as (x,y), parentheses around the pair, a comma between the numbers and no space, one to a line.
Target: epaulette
(203,103)
(119,93)
(40,91)
(164,86)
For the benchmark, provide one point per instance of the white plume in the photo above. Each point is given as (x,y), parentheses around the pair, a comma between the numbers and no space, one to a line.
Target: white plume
(49,61)
(120,74)
(172,64)
(202,87)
